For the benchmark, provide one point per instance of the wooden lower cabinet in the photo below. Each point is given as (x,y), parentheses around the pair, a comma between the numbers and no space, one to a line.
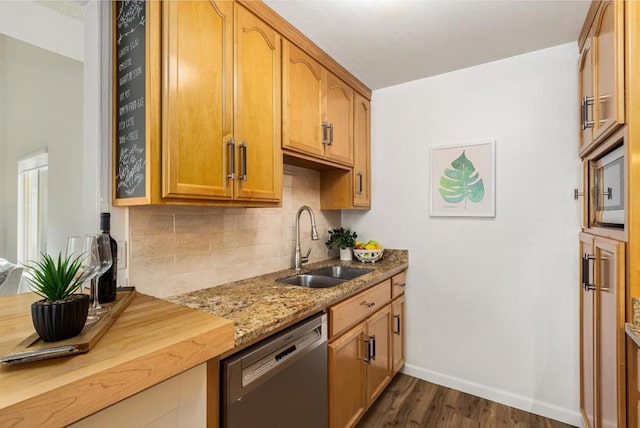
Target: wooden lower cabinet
(602,336)
(397,333)
(359,367)
(364,357)
(347,375)
(378,368)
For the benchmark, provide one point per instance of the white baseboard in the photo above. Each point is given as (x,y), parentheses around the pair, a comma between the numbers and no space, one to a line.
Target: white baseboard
(499,396)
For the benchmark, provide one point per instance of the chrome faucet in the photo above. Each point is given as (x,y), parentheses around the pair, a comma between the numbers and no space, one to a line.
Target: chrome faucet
(300,259)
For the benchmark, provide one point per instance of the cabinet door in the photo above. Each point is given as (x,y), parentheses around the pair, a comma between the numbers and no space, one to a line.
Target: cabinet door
(347,377)
(586,95)
(361,152)
(610,336)
(339,115)
(397,312)
(197,98)
(587,333)
(257,109)
(608,52)
(379,365)
(302,107)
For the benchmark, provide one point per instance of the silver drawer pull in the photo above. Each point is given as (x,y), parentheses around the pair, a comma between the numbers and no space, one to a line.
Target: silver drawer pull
(368,305)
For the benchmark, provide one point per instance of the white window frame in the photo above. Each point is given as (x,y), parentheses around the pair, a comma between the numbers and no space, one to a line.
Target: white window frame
(32,205)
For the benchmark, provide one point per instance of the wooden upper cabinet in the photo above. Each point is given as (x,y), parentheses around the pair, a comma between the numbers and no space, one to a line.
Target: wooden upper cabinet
(317,109)
(303,103)
(586,95)
(602,67)
(197,86)
(339,119)
(361,152)
(221,108)
(257,109)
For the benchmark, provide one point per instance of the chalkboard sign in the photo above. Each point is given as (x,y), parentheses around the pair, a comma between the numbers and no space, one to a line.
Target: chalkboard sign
(129,54)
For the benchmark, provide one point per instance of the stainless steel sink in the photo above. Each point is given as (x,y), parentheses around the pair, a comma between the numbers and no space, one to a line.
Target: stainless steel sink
(325,277)
(341,272)
(312,281)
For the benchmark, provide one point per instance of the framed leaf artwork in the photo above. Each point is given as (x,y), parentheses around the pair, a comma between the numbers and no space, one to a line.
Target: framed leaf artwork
(463,180)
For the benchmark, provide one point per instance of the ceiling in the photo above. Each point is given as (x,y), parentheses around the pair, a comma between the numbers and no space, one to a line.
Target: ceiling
(387,42)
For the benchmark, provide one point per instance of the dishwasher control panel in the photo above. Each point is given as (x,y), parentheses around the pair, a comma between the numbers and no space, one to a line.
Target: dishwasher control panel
(271,361)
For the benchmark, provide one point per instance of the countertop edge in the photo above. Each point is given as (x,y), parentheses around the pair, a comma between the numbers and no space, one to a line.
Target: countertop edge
(633,331)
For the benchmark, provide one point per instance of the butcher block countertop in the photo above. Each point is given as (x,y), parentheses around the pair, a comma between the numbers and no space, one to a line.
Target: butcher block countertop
(260,306)
(151,341)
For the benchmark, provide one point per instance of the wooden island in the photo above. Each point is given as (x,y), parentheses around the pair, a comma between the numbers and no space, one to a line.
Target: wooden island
(152,340)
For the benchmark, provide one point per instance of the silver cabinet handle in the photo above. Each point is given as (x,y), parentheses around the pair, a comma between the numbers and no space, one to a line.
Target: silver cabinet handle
(586,272)
(609,193)
(368,305)
(243,159)
(577,194)
(372,340)
(330,126)
(367,343)
(586,103)
(397,329)
(325,131)
(232,159)
(359,175)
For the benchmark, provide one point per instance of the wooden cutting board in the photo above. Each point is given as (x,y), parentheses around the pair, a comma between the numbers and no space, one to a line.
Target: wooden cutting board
(35,349)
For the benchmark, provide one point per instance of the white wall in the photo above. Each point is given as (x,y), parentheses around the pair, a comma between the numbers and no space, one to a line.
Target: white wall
(492,304)
(42,107)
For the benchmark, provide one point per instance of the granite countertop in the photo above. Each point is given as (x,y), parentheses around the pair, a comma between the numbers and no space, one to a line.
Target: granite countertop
(260,305)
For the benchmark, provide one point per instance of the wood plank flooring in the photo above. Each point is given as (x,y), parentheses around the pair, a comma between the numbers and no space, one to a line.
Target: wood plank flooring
(412,402)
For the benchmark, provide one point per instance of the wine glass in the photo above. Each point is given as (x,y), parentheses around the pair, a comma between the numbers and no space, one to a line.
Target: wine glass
(105,261)
(84,247)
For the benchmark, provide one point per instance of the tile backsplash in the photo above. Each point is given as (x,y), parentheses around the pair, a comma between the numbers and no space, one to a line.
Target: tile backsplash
(177,249)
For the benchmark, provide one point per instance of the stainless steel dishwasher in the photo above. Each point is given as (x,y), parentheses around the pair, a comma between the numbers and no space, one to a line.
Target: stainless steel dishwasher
(280,382)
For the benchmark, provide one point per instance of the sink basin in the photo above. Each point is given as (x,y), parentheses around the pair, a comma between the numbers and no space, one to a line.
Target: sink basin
(312,281)
(341,272)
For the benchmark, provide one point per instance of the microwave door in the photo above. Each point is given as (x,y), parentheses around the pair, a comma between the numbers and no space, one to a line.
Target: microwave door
(610,188)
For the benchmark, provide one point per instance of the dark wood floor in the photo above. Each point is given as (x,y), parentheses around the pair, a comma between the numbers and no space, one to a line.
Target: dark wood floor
(411,402)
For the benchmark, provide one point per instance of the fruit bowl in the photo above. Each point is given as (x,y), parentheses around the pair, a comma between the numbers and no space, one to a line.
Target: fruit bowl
(368,256)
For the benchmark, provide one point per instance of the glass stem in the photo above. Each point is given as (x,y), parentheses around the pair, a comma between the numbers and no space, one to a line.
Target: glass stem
(94,293)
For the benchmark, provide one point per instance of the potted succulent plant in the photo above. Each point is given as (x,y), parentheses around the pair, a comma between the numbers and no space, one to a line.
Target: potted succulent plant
(344,239)
(61,314)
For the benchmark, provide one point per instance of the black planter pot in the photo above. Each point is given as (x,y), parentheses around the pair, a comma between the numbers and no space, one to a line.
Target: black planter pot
(60,320)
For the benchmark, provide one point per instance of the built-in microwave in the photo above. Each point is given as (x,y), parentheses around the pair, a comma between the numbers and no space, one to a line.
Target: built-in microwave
(607,186)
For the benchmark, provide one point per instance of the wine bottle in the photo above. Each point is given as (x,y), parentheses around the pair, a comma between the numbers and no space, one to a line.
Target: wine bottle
(107,283)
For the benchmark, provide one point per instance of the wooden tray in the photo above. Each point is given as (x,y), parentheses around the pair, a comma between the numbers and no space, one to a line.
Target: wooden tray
(34,349)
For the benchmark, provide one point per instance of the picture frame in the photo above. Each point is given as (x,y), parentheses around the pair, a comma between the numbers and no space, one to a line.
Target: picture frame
(463,180)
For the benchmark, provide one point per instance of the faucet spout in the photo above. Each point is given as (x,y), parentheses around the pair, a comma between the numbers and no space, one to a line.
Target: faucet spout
(299,258)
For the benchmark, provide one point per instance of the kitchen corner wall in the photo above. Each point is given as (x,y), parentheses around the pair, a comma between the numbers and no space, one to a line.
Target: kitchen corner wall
(492,304)
(176,249)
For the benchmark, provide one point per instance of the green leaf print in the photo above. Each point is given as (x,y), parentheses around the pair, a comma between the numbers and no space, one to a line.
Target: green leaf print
(461,183)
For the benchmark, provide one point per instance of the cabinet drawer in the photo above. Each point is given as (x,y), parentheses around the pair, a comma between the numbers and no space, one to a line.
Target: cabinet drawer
(397,284)
(358,307)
